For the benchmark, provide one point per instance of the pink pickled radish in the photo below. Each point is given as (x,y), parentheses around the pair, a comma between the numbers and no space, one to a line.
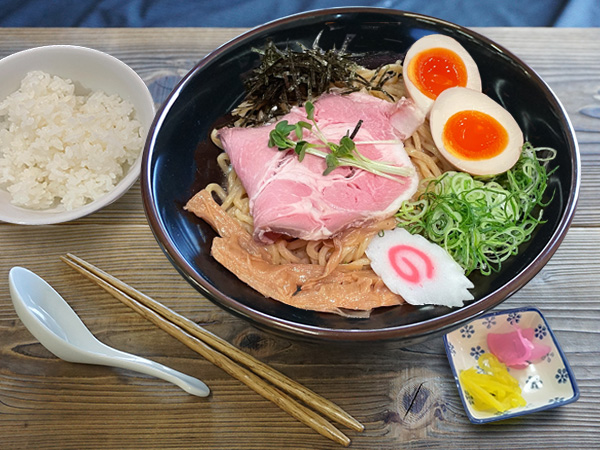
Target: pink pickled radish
(516,349)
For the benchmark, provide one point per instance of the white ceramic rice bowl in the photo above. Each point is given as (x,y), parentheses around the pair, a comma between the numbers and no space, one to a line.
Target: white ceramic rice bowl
(90,70)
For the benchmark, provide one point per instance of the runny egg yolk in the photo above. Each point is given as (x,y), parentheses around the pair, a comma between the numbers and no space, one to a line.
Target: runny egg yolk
(474,135)
(436,69)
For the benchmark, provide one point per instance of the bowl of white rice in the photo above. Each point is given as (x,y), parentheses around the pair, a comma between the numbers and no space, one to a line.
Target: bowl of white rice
(73,123)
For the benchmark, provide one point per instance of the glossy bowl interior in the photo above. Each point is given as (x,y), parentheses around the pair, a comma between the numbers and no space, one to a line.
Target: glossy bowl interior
(89,70)
(178,161)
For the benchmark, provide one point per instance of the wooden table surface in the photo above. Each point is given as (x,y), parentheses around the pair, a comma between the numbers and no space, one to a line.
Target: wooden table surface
(405,397)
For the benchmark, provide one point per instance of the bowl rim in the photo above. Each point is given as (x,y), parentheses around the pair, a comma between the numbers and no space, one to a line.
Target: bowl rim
(442,324)
(517,413)
(50,217)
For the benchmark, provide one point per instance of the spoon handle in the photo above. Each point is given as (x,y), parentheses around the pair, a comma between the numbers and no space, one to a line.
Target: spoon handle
(116,358)
(58,328)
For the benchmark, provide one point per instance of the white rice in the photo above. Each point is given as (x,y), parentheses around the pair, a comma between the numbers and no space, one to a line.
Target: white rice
(60,148)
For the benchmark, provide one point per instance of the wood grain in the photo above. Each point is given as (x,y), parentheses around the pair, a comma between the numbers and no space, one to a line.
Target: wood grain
(406,397)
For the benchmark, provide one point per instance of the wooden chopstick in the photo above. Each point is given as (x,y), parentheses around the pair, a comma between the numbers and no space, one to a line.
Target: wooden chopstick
(326,407)
(288,404)
(209,346)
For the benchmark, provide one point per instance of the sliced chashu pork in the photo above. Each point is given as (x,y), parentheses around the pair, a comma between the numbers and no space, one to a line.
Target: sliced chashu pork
(294,198)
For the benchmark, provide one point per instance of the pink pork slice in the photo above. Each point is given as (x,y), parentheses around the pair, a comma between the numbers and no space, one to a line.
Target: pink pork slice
(294,198)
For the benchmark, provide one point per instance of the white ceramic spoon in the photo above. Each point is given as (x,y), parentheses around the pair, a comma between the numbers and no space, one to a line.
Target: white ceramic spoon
(52,321)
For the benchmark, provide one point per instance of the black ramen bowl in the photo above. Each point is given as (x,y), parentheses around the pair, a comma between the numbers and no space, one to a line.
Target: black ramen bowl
(178,161)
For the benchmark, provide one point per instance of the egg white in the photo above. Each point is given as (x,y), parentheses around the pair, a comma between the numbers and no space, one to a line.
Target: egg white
(458,99)
(438,41)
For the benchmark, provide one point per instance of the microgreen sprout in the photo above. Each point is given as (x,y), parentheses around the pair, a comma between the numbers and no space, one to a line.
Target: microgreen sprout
(342,154)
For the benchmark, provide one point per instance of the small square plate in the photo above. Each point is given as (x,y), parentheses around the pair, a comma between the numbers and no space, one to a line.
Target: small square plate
(545,384)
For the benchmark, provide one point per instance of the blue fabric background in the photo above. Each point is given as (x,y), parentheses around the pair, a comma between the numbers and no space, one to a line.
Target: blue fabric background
(248,13)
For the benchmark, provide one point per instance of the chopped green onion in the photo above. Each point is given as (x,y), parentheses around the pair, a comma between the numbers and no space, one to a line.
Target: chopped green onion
(482,221)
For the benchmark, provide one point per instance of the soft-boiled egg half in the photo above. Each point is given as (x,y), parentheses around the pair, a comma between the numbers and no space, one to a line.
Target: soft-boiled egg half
(474,133)
(435,63)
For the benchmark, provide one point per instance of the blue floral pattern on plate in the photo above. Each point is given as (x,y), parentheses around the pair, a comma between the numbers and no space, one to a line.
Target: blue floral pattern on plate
(467,331)
(545,384)
(540,332)
(513,318)
(562,376)
(476,352)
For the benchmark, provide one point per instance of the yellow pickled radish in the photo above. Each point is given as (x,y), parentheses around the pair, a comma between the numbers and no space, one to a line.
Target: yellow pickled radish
(493,387)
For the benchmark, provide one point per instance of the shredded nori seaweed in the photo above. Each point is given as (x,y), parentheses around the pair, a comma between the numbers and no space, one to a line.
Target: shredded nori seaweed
(288,77)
